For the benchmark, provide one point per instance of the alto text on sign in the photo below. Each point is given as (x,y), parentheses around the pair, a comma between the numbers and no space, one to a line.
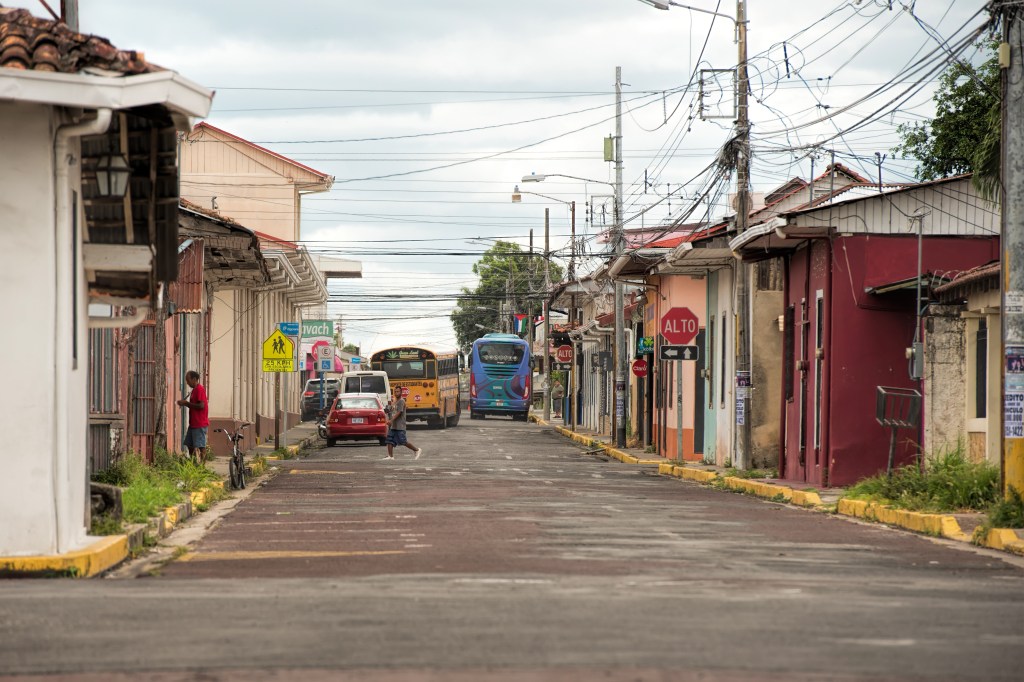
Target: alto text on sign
(679,326)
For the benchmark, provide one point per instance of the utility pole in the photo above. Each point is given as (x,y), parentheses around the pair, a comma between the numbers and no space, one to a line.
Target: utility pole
(1011,62)
(572,318)
(744,385)
(547,320)
(620,323)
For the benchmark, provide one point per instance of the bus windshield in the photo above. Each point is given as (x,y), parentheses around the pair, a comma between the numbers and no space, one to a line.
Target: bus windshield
(501,353)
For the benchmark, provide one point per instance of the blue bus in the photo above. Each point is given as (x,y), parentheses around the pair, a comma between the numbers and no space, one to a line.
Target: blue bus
(500,377)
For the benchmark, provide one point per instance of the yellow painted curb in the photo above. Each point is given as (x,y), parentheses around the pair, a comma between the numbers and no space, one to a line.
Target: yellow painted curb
(942,525)
(1005,539)
(806,498)
(758,488)
(84,563)
(690,474)
(665,469)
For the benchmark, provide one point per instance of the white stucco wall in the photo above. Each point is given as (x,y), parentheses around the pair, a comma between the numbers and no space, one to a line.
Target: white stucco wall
(43,489)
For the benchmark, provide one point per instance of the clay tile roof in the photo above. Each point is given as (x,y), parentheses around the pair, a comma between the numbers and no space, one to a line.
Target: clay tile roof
(31,43)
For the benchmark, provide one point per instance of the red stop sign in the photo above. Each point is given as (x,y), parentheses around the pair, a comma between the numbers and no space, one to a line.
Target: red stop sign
(640,368)
(679,326)
(563,354)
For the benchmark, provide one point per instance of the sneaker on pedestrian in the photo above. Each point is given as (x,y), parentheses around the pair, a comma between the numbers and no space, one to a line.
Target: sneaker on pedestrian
(388,457)
(419,451)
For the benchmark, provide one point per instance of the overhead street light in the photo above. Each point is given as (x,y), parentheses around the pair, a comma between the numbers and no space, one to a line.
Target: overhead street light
(665,4)
(742,458)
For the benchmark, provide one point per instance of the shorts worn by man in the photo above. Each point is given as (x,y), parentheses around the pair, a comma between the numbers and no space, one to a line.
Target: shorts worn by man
(396,424)
(198,417)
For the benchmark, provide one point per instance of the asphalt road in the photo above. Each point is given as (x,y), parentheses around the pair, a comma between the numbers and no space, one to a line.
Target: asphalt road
(505,553)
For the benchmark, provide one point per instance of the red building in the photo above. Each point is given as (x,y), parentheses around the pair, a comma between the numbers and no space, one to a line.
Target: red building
(852,266)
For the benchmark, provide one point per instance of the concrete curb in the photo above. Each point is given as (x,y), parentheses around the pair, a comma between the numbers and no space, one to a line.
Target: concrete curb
(99,556)
(105,552)
(938,525)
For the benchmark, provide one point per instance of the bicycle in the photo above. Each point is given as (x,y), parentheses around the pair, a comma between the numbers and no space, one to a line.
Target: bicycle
(236,465)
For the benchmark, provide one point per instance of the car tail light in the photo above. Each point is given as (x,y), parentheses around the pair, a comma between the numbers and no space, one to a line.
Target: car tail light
(472,384)
(381,418)
(335,418)
(308,394)
(527,387)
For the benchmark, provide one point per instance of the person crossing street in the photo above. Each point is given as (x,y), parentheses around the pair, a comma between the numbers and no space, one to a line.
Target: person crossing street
(396,430)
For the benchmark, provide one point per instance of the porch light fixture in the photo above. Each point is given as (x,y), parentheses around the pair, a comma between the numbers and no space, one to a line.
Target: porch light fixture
(112,173)
(516,196)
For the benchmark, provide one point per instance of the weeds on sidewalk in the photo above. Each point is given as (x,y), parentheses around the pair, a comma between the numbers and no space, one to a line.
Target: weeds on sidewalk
(148,489)
(1008,512)
(950,482)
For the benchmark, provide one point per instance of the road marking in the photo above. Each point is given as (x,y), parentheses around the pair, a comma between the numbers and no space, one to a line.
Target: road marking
(318,471)
(270,554)
(508,456)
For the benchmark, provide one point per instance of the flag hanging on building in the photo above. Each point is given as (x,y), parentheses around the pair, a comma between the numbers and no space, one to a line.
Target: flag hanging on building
(538,320)
(520,323)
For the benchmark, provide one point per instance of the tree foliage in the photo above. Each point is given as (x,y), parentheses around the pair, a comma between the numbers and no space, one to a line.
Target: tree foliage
(511,279)
(964,136)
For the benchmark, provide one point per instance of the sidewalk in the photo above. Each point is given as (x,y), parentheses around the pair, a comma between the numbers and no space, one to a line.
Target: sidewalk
(960,527)
(292,440)
(103,553)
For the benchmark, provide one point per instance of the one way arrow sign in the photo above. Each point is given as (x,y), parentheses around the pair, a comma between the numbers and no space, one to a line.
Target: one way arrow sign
(679,352)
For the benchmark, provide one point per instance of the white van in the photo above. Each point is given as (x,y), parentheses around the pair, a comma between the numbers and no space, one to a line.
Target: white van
(367,381)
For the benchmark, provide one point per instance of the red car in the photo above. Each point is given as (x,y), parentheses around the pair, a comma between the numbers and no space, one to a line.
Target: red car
(356,416)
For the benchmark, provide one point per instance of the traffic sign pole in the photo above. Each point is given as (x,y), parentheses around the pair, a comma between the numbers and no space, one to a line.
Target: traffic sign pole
(679,412)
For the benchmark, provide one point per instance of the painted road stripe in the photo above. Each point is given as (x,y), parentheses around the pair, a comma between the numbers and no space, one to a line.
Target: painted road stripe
(318,471)
(269,554)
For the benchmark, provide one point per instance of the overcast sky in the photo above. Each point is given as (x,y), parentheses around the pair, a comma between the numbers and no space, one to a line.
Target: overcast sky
(370,91)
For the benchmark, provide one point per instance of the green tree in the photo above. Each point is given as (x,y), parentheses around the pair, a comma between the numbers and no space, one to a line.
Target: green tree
(508,275)
(964,136)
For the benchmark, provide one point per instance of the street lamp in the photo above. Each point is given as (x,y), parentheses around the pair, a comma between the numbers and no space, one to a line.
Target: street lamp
(618,245)
(743,364)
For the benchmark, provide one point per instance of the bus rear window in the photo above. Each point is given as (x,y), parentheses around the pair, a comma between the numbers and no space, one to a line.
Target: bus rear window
(404,369)
(367,384)
(501,353)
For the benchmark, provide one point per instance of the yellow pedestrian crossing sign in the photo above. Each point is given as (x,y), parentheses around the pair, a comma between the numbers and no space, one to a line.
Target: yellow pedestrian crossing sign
(278,353)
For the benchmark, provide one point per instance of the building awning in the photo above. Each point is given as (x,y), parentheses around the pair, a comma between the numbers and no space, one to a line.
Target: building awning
(773,238)
(928,280)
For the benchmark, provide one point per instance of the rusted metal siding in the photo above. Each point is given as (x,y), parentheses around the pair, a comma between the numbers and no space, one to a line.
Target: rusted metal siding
(186,293)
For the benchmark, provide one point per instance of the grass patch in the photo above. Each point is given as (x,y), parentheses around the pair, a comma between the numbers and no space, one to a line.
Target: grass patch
(148,489)
(1008,512)
(105,525)
(950,483)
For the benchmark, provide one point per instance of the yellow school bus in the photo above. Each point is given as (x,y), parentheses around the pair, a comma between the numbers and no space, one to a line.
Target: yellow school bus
(431,377)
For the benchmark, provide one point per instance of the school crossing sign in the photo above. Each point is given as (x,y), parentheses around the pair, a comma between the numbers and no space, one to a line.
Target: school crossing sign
(278,353)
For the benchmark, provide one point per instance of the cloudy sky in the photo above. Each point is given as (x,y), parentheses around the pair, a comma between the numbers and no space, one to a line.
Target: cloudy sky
(429,112)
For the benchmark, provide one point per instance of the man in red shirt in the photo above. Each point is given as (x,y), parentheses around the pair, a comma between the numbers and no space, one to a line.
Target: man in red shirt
(198,417)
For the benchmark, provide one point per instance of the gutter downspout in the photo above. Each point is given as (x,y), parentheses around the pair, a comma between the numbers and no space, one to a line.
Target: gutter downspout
(62,310)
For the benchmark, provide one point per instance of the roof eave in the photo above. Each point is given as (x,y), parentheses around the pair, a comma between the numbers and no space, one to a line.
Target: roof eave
(166,88)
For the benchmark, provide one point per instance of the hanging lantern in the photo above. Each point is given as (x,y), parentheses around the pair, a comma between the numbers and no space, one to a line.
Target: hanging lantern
(112,174)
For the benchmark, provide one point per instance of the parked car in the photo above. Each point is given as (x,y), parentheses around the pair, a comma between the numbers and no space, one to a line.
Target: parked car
(311,396)
(356,416)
